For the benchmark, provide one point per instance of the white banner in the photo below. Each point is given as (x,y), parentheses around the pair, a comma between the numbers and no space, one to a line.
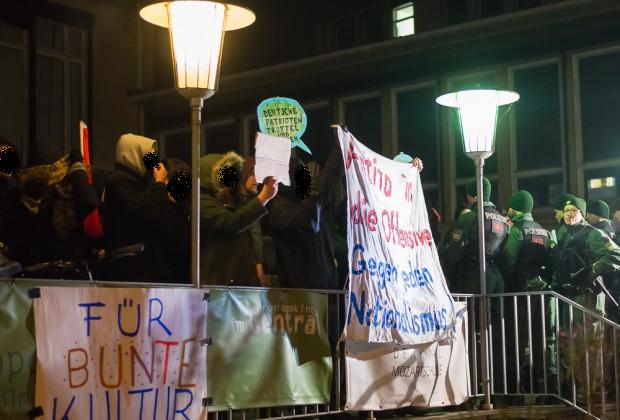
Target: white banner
(383,376)
(398,291)
(112,353)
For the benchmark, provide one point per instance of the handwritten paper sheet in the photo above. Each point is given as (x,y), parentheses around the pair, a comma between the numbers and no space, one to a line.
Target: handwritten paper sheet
(272,158)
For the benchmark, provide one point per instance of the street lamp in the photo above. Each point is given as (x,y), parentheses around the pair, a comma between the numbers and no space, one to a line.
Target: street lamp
(477,110)
(196,30)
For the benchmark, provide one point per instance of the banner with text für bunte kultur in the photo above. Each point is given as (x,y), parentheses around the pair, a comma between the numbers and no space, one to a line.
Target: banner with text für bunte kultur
(112,353)
(398,293)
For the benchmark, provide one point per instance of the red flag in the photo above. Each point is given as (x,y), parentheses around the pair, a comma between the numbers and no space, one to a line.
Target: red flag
(93,228)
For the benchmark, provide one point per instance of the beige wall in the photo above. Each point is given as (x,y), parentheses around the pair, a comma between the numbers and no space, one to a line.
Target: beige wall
(114,73)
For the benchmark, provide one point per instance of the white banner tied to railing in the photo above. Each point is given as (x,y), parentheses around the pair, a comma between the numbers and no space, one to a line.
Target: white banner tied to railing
(398,293)
(384,376)
(111,352)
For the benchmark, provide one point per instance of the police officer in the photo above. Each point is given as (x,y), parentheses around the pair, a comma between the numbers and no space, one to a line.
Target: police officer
(558,206)
(583,253)
(598,216)
(525,252)
(524,258)
(460,245)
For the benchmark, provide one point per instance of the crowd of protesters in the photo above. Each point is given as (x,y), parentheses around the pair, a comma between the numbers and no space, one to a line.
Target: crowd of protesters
(269,234)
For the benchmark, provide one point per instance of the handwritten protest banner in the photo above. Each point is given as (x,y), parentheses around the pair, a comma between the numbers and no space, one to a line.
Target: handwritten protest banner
(16,353)
(398,291)
(135,352)
(269,348)
(283,117)
(386,376)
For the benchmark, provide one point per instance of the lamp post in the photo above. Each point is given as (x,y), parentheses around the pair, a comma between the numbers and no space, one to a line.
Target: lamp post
(196,30)
(477,110)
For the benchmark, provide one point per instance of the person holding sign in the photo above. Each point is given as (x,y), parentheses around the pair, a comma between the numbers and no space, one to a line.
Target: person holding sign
(227,212)
(299,230)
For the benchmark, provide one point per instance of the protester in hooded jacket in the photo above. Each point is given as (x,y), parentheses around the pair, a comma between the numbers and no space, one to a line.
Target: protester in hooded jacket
(227,212)
(134,202)
(297,224)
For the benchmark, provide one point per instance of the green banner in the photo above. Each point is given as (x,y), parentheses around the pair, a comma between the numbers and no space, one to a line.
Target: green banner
(269,348)
(16,352)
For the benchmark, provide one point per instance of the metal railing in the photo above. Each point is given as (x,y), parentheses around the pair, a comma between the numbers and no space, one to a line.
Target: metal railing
(543,344)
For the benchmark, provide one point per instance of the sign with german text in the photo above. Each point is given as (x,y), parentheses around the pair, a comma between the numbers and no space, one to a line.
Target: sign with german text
(270,348)
(16,352)
(386,376)
(283,117)
(111,352)
(398,293)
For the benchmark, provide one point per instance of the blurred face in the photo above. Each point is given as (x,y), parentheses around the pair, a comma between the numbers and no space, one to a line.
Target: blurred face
(251,185)
(616,216)
(572,215)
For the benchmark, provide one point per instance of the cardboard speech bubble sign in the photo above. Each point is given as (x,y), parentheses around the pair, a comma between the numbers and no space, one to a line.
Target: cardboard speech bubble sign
(283,117)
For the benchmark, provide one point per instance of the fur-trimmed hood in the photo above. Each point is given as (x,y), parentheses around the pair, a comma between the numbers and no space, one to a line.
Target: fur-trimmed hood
(210,166)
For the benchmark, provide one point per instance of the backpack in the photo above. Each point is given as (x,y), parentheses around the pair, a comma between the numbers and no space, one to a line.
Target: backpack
(64,215)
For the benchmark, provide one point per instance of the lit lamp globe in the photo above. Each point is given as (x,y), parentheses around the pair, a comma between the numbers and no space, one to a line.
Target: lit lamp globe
(477,110)
(196,36)
(196,30)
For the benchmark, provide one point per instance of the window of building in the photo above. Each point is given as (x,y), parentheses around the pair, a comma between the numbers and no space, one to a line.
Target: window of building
(416,126)
(46,127)
(404,20)
(538,119)
(220,137)
(363,117)
(489,8)
(60,90)
(599,90)
(544,188)
(602,183)
(318,135)
(538,123)
(456,11)
(176,144)
(14,112)
(528,4)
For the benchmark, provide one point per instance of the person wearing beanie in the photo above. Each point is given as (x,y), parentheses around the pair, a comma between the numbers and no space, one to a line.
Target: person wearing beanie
(523,261)
(460,255)
(558,206)
(583,254)
(598,216)
(525,252)
(459,250)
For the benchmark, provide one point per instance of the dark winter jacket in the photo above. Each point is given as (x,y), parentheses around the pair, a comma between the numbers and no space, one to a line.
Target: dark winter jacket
(226,252)
(133,211)
(301,235)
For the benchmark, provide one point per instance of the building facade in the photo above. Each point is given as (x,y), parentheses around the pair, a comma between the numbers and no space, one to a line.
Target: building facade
(376,66)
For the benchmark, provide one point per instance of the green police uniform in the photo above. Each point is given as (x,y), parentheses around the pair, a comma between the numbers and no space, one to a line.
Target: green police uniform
(525,254)
(460,250)
(524,257)
(583,253)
